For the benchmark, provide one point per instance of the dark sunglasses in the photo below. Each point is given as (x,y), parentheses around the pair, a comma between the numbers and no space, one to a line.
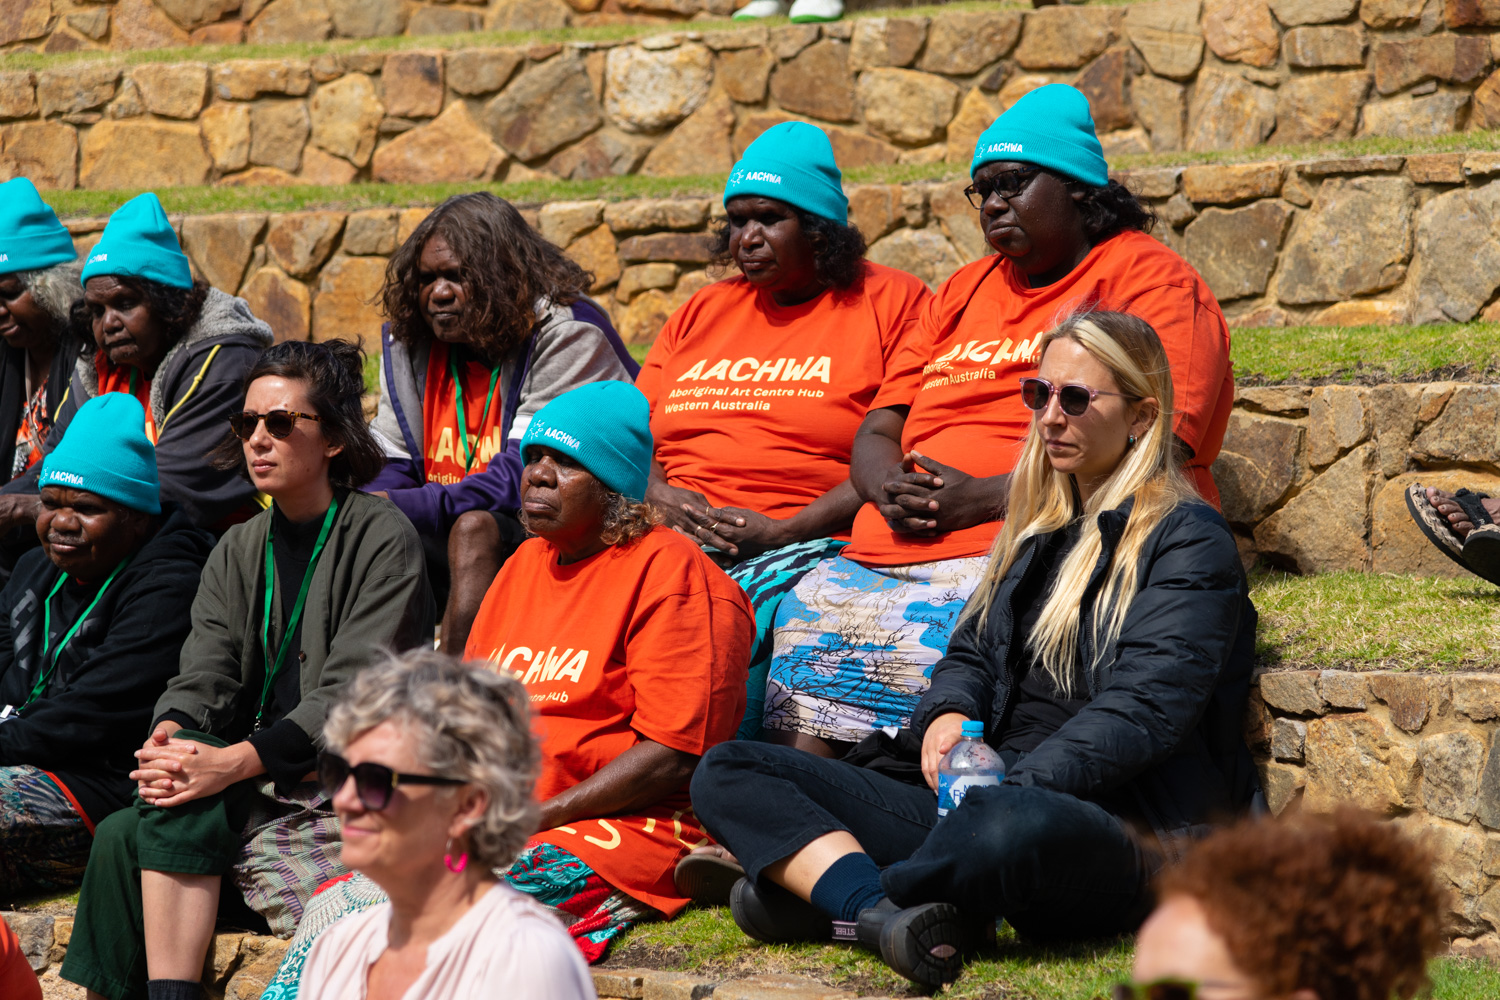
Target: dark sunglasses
(1161,989)
(1074,399)
(279,423)
(373,783)
(1006,185)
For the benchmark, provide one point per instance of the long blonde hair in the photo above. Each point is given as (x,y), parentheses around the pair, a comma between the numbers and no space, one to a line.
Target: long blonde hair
(1041,498)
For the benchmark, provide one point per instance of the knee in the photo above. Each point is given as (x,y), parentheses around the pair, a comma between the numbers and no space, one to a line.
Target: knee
(723,771)
(117,836)
(1009,818)
(474,531)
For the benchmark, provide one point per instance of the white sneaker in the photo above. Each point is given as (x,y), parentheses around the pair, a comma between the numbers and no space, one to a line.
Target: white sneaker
(757,9)
(804,11)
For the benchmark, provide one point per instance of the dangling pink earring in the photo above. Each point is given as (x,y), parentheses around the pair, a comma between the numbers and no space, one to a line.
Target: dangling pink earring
(458,866)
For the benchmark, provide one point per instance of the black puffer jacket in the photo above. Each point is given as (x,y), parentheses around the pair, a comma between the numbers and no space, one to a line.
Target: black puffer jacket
(1160,740)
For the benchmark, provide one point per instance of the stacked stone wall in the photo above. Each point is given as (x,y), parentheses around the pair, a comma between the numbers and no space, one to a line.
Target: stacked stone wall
(1165,75)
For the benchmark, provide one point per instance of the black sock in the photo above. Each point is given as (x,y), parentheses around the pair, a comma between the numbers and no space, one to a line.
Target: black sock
(850,884)
(174,989)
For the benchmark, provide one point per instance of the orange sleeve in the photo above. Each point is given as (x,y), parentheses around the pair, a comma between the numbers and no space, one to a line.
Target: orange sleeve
(17,981)
(1196,340)
(687,656)
(903,372)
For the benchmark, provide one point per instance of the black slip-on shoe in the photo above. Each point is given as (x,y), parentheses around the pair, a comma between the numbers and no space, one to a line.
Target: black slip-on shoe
(707,878)
(923,943)
(769,913)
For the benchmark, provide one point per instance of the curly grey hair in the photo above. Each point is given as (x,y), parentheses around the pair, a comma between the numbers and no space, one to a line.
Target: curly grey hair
(55,289)
(468,722)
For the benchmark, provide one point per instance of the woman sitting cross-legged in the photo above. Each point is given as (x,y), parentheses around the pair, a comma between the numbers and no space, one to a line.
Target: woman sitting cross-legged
(430,767)
(1107,651)
(291,606)
(632,646)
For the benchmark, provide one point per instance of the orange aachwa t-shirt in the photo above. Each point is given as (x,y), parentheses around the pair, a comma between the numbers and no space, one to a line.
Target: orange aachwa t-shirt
(960,373)
(446,461)
(649,641)
(755,405)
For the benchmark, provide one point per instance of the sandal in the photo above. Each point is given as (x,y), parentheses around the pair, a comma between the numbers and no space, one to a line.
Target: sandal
(707,878)
(1483,558)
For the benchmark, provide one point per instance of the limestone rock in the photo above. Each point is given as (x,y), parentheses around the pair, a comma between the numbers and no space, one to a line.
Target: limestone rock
(1399,546)
(408,219)
(564,221)
(1241,31)
(700,145)
(34,933)
(449,149)
(1410,697)
(77,88)
(1338,419)
(140,24)
(1160,105)
(647,91)
(45,152)
(247,79)
(1288,740)
(1344,689)
(1281,784)
(301,241)
(1235,249)
(1391,13)
(196,13)
(93,23)
(285,21)
(22,20)
(17,93)
(1323,528)
(654,214)
(1294,12)
(226,133)
(1065,37)
(1229,112)
(975,114)
(325,169)
(1151,182)
(683,248)
(283,302)
(345,117)
(1167,35)
(1486,105)
(345,306)
(1106,83)
(1319,107)
(1467,431)
(413,83)
(144,155)
(1225,184)
(1457,254)
(1353,759)
(370,233)
(1408,117)
(923,252)
(1394,408)
(548,106)
(595,252)
(482,71)
(962,43)
(220,246)
(745,74)
(817,82)
(1450,58)
(1451,765)
(172,90)
(1477,696)
(789,39)
(644,317)
(367,18)
(611,153)
(527,15)
(1292,691)
(879,41)
(1260,460)
(640,277)
(278,131)
(260,958)
(875,209)
(1283,400)
(1355,240)
(906,106)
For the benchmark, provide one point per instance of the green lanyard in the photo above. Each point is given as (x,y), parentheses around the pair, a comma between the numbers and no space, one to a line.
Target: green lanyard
(458,399)
(273,670)
(44,677)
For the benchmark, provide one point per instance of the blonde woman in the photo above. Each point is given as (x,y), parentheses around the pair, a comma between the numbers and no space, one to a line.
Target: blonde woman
(1107,650)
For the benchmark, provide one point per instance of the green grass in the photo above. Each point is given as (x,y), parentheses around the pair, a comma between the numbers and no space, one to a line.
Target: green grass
(1375,621)
(1366,353)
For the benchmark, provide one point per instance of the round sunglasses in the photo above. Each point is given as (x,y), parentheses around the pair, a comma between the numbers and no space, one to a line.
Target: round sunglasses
(279,423)
(373,783)
(1074,399)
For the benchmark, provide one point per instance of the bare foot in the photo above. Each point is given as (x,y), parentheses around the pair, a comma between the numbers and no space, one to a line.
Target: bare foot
(714,850)
(1459,521)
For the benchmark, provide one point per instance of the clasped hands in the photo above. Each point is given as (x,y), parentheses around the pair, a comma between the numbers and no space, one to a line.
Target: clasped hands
(924,497)
(170,771)
(734,531)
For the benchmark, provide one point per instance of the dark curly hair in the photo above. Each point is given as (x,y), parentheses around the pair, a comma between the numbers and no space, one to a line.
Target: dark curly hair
(1342,905)
(333,371)
(174,309)
(507,268)
(1110,209)
(838,250)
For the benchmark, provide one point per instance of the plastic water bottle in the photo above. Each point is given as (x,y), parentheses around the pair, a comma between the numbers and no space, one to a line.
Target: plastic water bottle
(970,764)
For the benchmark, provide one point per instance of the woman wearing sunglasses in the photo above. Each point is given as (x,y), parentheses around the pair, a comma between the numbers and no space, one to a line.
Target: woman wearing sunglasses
(1301,908)
(430,766)
(1107,651)
(291,605)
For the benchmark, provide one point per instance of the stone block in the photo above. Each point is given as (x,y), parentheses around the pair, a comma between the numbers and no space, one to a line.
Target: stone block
(278,131)
(1281,783)
(975,114)
(286,21)
(1353,759)
(639,277)
(1398,545)
(408,219)
(817,82)
(473,72)
(1161,106)
(875,209)
(1260,460)
(745,74)
(1288,740)
(627,984)
(346,116)
(1258,720)
(174,90)
(346,303)
(1338,419)
(1471,13)
(1241,31)
(450,149)
(1449,58)
(370,233)
(301,241)
(77,88)
(1391,13)
(1485,111)
(777,987)
(220,246)
(1325,47)
(1235,249)
(367,18)
(527,15)
(226,135)
(281,301)
(682,248)
(1226,184)
(144,155)
(1292,691)
(1295,12)
(93,23)
(1457,254)
(957,219)
(641,320)
(1451,764)
(962,43)
(1466,432)
(197,13)
(654,214)
(1285,400)
(23,20)
(1355,240)
(223,33)
(905,106)
(140,24)
(1168,35)
(1351,165)
(1323,528)
(754,36)
(1476,696)
(1066,37)
(596,253)
(1319,108)
(787,40)
(1344,689)
(247,79)
(610,153)
(564,221)
(547,106)
(261,957)
(1477,165)
(1106,83)
(1362,312)
(17,93)
(1487,804)
(880,41)
(46,152)
(1394,409)
(1408,117)
(676,986)
(1410,697)
(1151,182)
(647,90)
(927,253)
(34,934)
(1229,112)
(413,83)
(325,169)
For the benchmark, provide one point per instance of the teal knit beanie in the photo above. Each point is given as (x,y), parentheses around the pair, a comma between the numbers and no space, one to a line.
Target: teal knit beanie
(792,162)
(31,238)
(1050,127)
(606,427)
(138,241)
(105,451)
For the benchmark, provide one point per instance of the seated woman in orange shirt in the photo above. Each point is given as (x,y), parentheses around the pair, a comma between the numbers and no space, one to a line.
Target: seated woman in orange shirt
(632,646)
(758,383)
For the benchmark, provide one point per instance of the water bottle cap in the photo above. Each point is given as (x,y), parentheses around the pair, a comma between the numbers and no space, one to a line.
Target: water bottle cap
(973,730)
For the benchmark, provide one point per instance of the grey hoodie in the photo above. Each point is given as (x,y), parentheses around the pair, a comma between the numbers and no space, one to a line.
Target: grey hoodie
(197,385)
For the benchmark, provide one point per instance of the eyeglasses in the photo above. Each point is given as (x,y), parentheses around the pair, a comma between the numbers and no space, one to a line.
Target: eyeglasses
(1007,185)
(279,423)
(1074,399)
(1162,989)
(373,783)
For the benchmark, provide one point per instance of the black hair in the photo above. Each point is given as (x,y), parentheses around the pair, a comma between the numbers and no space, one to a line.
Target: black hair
(174,309)
(1110,209)
(333,371)
(838,249)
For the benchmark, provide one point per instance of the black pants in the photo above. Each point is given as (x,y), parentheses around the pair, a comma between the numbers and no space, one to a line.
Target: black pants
(1051,864)
(435,549)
